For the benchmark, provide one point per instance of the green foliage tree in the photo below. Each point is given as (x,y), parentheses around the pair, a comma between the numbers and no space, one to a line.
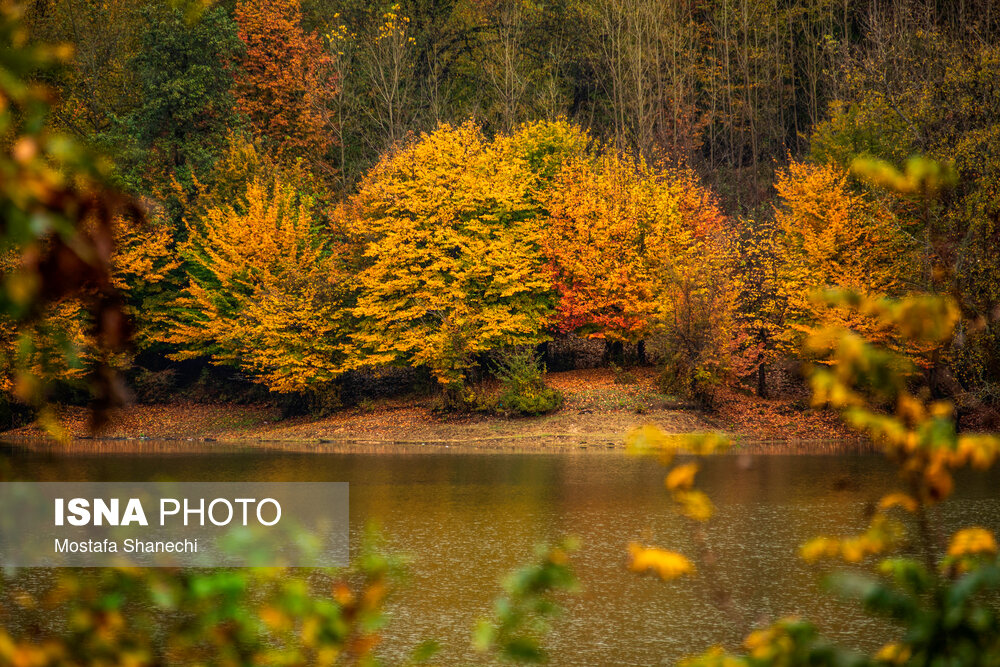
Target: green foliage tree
(98,85)
(184,69)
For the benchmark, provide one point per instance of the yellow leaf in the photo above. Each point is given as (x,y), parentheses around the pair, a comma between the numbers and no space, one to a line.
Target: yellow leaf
(682,477)
(817,548)
(894,653)
(665,564)
(898,500)
(972,541)
(694,505)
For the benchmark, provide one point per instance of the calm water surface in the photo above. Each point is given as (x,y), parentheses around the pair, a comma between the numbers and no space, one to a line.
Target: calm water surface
(465,518)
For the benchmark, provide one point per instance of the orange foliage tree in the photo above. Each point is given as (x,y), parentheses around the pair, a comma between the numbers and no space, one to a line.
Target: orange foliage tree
(266,291)
(634,251)
(451,262)
(602,215)
(286,86)
(620,233)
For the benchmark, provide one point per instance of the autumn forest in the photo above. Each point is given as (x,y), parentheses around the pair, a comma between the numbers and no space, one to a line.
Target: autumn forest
(640,284)
(327,189)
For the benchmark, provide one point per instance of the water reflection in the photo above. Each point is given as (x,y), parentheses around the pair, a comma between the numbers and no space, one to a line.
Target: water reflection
(468,517)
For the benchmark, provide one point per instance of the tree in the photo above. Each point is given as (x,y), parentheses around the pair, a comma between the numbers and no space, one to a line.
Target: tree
(635,253)
(698,335)
(504,66)
(649,57)
(761,301)
(387,63)
(836,237)
(186,110)
(341,46)
(619,235)
(600,218)
(266,292)
(286,86)
(928,90)
(50,356)
(451,262)
(99,85)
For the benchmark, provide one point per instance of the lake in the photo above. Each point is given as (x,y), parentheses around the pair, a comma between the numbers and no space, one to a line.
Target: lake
(466,517)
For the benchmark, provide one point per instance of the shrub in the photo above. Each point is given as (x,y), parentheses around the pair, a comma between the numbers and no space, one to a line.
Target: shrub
(623,376)
(697,380)
(456,397)
(522,386)
(155,386)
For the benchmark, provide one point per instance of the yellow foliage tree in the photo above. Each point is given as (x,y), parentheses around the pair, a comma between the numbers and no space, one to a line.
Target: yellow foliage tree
(835,237)
(546,146)
(144,262)
(266,292)
(451,262)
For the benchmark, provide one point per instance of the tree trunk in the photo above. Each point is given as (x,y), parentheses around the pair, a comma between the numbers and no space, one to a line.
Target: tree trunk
(543,353)
(614,352)
(762,381)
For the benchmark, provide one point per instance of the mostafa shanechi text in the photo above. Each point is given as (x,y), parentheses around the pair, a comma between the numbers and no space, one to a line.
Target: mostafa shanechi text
(174,524)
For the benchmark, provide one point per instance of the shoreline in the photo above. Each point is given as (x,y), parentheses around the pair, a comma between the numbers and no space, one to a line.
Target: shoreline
(139,446)
(598,411)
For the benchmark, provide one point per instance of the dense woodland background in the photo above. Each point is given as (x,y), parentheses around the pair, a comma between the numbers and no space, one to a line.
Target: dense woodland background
(335,188)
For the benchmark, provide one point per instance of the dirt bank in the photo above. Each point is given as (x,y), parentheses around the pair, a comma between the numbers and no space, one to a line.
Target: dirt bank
(600,408)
